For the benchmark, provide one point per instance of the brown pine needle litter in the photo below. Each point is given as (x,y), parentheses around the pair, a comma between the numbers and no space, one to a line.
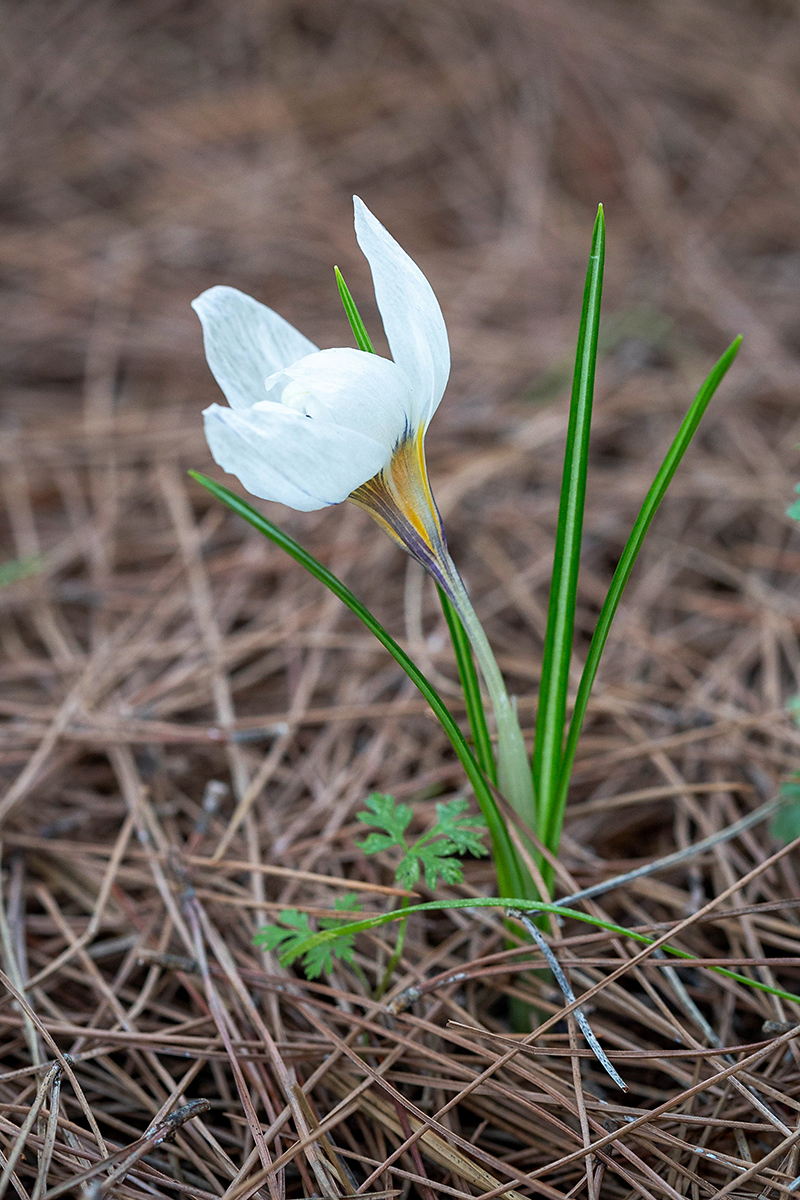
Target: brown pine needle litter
(189,724)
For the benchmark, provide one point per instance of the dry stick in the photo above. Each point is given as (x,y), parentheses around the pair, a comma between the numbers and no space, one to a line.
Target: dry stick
(643,795)
(330,613)
(15,972)
(221,1021)
(60,643)
(340,1111)
(134,793)
(429,1128)
(172,1091)
(145,1173)
(271,763)
(664,764)
(543,1081)
(746,1090)
(60,846)
(569,995)
(373,1075)
(633,1125)
(118,853)
(285,1075)
(51,1132)
(63,1059)
(154,1135)
(679,856)
(157,1133)
(755,1170)
(27,1126)
(335,881)
(577,1084)
(202,603)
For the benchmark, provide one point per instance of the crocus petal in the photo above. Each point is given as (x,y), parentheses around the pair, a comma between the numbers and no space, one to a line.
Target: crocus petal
(353,390)
(279,454)
(245,342)
(410,312)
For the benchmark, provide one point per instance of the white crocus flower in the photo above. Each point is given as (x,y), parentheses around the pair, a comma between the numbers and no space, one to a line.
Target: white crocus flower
(310,428)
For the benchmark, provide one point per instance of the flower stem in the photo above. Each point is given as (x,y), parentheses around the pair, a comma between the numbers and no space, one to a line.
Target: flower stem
(396,955)
(513,768)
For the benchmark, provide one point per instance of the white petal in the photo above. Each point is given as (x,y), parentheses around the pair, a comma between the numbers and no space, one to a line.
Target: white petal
(245,342)
(411,315)
(352,389)
(279,454)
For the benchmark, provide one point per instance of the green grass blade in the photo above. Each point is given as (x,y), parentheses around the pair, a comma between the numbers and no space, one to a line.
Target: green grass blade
(471,688)
(538,906)
(20,568)
(551,716)
(353,315)
(624,568)
(515,878)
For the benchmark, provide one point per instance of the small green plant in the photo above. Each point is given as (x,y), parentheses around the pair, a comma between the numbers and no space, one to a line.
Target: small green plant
(786,822)
(319,959)
(456,832)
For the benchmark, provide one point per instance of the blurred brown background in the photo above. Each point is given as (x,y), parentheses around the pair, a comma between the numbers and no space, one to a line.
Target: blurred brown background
(151,149)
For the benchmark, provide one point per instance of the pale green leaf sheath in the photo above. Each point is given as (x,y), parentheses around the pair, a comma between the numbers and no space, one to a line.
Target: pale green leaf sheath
(309,428)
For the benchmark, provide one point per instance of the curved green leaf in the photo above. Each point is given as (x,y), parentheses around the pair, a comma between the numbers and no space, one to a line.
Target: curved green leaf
(552,709)
(511,874)
(509,905)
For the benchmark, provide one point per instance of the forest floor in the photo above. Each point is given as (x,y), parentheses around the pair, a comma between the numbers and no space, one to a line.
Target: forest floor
(189,723)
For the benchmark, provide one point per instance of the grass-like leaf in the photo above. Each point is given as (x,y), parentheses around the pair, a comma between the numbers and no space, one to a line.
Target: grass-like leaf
(512,876)
(552,709)
(20,568)
(624,567)
(353,315)
(508,905)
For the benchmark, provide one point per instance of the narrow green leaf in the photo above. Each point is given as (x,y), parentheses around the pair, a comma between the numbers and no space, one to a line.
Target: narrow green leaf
(20,568)
(353,315)
(354,927)
(512,876)
(551,716)
(471,688)
(624,567)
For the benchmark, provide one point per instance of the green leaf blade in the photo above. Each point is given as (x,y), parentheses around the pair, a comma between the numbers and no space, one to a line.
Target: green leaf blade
(513,878)
(537,906)
(353,315)
(551,716)
(625,565)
